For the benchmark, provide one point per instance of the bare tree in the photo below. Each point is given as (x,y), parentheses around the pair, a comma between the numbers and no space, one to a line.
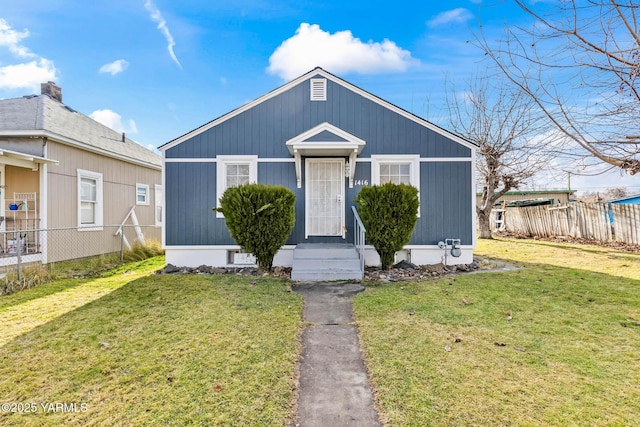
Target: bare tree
(507,128)
(615,193)
(580,63)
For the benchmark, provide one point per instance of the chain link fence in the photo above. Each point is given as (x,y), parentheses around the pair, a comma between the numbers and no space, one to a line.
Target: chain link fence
(58,251)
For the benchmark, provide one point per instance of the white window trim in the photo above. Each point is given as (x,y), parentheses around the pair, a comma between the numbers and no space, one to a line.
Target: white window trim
(146,197)
(99,219)
(157,199)
(221,174)
(411,159)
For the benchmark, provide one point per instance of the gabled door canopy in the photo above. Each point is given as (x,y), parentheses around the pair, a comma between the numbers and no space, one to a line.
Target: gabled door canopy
(316,142)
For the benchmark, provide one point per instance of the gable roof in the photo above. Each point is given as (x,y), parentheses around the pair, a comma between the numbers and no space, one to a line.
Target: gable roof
(42,116)
(318,71)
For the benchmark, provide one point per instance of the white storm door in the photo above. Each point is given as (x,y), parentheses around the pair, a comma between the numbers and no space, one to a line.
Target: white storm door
(324,189)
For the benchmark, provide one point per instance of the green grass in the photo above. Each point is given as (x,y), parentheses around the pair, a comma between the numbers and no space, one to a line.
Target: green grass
(139,349)
(34,275)
(569,356)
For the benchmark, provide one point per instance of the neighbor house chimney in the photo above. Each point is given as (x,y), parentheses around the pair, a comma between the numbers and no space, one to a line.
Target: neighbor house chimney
(50,89)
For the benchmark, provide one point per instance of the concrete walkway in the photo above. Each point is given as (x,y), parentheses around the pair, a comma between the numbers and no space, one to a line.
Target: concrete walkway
(334,388)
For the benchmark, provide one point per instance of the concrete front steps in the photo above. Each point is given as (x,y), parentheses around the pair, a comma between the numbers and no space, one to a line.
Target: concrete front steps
(322,262)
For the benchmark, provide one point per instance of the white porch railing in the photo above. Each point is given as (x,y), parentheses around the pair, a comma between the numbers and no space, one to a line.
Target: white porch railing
(359,236)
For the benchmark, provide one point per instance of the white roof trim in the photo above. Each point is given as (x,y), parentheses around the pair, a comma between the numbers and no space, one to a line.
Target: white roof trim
(335,79)
(72,142)
(350,144)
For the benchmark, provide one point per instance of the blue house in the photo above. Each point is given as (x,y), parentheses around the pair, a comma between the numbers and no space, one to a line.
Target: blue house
(325,139)
(628,200)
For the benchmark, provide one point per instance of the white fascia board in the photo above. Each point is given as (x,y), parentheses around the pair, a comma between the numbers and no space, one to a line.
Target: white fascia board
(215,160)
(335,79)
(237,111)
(78,144)
(326,126)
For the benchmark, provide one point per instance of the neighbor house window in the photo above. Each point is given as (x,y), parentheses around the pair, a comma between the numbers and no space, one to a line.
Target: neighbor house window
(142,194)
(158,204)
(89,200)
(396,169)
(233,171)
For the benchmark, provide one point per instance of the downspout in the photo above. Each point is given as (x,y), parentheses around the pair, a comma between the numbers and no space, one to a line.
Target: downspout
(44,192)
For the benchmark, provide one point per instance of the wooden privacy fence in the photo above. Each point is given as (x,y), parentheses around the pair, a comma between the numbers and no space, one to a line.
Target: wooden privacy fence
(596,221)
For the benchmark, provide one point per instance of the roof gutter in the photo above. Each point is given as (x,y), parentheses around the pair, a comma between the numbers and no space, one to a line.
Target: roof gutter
(71,142)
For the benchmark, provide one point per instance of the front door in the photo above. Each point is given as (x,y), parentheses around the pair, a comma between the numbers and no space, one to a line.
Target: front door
(324,205)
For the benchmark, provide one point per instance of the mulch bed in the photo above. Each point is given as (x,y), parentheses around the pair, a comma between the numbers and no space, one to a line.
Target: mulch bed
(399,272)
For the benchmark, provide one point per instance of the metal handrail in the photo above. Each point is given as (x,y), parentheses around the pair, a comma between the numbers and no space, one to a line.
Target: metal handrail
(359,236)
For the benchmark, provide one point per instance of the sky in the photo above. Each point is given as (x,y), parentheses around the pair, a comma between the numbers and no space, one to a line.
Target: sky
(157,69)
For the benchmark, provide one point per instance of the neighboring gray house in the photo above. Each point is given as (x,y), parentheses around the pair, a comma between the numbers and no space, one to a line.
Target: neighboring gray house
(325,139)
(64,172)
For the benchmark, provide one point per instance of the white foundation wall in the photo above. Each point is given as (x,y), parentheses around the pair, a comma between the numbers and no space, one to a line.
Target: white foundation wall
(217,256)
(428,255)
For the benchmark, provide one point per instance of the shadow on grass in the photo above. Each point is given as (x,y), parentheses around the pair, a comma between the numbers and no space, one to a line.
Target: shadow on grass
(221,349)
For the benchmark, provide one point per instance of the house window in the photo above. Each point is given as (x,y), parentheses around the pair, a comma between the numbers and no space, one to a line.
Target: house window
(142,194)
(233,171)
(396,173)
(158,204)
(318,89)
(397,169)
(236,174)
(89,200)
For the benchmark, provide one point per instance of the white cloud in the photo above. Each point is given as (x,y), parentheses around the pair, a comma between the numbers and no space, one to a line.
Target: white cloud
(113,120)
(453,16)
(340,52)
(11,39)
(115,67)
(27,76)
(156,16)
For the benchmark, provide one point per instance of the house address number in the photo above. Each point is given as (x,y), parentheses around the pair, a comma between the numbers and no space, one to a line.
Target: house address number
(361,182)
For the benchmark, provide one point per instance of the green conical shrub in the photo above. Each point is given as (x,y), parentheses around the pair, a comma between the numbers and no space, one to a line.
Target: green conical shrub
(389,212)
(260,219)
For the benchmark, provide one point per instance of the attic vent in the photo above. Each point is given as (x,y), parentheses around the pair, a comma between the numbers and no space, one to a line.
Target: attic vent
(318,89)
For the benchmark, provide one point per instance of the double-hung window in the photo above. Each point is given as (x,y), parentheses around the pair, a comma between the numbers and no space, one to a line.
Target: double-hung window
(142,194)
(396,169)
(232,171)
(89,200)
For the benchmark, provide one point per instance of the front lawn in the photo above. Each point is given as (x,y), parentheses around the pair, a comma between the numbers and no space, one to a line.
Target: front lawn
(152,350)
(555,343)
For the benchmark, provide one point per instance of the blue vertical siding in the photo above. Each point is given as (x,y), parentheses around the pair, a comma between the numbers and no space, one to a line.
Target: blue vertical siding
(445,187)
(263,129)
